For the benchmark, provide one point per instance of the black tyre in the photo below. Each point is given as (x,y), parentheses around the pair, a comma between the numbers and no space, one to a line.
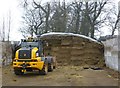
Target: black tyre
(44,71)
(54,67)
(18,72)
(50,67)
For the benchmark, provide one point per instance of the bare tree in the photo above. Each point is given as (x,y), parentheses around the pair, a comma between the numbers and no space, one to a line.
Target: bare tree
(47,13)
(115,24)
(93,11)
(3,30)
(112,18)
(78,17)
(9,24)
(32,21)
(59,17)
(78,11)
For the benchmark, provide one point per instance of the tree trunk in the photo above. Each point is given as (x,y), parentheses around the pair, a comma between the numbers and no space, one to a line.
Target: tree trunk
(92,30)
(3,30)
(77,23)
(9,24)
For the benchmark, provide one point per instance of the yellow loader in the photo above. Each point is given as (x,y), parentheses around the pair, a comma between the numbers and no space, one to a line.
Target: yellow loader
(30,57)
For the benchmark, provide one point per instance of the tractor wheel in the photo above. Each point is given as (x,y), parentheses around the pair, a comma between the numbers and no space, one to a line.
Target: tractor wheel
(44,71)
(18,72)
(54,67)
(50,67)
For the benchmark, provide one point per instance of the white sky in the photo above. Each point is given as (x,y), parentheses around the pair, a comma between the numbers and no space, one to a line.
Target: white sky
(16,13)
(12,6)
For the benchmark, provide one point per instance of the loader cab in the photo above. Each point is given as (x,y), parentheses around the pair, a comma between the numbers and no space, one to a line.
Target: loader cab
(32,43)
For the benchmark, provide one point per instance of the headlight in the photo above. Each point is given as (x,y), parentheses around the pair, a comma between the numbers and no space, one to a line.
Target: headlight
(37,54)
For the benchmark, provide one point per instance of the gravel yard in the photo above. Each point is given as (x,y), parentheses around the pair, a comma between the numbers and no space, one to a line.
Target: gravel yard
(61,76)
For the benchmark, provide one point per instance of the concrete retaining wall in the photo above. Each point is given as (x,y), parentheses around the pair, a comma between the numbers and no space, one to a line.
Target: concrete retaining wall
(111,53)
(0,54)
(5,53)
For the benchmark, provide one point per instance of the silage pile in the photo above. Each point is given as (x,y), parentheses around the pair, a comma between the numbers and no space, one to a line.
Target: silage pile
(74,49)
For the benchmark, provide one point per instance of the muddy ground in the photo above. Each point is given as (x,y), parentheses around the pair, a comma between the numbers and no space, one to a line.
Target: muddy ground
(61,76)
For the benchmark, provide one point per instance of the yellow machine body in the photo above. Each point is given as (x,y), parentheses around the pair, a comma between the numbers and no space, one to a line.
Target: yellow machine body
(30,58)
(34,62)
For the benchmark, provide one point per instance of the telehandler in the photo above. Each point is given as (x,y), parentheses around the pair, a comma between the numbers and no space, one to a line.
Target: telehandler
(30,57)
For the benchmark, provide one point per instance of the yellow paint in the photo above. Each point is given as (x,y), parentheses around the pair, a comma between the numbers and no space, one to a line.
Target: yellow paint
(38,64)
(24,70)
(17,53)
(33,53)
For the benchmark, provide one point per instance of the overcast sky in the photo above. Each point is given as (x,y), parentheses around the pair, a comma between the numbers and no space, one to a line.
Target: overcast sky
(16,13)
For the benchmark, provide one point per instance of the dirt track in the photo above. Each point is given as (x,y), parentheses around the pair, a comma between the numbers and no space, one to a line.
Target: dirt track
(62,76)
